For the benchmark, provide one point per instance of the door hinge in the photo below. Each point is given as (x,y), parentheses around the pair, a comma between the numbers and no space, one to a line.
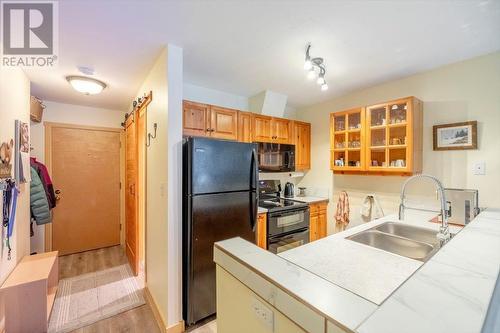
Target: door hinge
(120,185)
(120,226)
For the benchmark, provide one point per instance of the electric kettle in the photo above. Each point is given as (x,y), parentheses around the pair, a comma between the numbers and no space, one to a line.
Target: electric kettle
(288,190)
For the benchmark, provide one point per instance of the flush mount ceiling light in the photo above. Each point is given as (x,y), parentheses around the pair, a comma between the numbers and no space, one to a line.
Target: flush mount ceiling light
(86,85)
(311,65)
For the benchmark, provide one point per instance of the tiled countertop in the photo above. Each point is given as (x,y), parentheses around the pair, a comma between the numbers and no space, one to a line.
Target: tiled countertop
(449,293)
(452,291)
(366,271)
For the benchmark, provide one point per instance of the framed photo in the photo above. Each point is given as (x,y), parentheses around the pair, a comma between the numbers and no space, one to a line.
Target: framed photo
(22,171)
(457,136)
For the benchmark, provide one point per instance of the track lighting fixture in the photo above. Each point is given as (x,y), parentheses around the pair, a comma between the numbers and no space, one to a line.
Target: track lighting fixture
(313,64)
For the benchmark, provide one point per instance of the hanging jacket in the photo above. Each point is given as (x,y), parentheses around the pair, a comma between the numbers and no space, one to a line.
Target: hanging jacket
(38,200)
(41,170)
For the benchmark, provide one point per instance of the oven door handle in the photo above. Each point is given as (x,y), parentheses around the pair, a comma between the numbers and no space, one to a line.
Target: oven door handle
(288,213)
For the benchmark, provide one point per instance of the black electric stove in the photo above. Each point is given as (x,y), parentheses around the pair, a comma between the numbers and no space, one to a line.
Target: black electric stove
(287,220)
(270,199)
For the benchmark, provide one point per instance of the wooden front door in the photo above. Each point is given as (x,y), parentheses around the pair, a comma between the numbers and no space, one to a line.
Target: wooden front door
(85,166)
(131,190)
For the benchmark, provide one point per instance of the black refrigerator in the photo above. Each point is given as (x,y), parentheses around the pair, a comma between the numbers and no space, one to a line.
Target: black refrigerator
(220,201)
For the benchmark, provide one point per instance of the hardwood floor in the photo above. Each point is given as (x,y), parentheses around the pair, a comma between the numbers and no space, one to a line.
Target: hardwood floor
(140,319)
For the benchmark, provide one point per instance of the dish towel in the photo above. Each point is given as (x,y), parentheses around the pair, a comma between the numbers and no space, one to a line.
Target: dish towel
(371,209)
(342,212)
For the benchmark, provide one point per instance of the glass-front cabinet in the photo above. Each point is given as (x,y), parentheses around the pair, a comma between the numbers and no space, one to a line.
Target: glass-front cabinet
(383,138)
(347,139)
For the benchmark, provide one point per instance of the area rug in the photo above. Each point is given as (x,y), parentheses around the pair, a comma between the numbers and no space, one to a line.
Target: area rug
(85,299)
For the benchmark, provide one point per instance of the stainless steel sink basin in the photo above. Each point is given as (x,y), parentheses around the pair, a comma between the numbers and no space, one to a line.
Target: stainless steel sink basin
(404,240)
(409,231)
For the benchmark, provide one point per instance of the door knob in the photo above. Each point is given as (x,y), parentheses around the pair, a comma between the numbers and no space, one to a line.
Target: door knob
(57,193)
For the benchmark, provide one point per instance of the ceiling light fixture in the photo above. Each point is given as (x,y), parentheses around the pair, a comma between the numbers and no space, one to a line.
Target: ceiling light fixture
(86,85)
(311,64)
(311,74)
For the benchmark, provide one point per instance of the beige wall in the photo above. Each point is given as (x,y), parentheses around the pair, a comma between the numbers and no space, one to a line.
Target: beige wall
(163,232)
(68,114)
(14,104)
(463,91)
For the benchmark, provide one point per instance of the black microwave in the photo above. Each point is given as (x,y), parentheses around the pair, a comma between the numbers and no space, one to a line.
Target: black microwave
(276,157)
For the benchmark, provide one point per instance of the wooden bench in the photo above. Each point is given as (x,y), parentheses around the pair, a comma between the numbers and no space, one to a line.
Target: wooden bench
(29,293)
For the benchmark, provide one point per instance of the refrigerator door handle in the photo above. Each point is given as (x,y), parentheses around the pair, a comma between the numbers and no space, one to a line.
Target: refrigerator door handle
(255,192)
(253,210)
(255,171)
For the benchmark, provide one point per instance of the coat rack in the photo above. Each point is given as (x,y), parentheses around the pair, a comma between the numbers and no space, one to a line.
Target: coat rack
(151,136)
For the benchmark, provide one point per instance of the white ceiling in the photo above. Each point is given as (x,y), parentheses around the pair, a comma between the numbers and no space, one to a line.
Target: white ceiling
(244,47)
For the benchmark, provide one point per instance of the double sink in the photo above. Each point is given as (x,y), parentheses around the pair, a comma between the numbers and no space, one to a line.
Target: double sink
(402,239)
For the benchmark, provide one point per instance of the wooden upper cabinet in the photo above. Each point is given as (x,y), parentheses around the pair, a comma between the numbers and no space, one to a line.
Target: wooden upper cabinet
(302,134)
(347,140)
(262,128)
(270,129)
(281,130)
(245,128)
(223,123)
(384,138)
(394,136)
(195,118)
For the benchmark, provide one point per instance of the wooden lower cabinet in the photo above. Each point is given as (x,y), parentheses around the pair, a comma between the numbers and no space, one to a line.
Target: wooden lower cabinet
(261,237)
(318,220)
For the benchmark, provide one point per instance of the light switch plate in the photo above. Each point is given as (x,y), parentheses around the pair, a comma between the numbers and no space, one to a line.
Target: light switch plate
(479,168)
(263,313)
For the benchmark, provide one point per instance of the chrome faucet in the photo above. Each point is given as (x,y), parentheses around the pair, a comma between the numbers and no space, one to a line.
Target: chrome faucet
(444,233)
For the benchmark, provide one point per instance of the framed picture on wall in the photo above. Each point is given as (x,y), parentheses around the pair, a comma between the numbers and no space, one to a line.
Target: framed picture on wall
(456,136)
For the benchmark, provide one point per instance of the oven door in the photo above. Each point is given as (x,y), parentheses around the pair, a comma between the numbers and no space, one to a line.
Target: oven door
(274,157)
(286,242)
(287,221)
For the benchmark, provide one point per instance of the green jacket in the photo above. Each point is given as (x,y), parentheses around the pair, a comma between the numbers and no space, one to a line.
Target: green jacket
(38,200)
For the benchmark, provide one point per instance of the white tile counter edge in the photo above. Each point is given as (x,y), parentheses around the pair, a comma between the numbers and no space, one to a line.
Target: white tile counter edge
(302,296)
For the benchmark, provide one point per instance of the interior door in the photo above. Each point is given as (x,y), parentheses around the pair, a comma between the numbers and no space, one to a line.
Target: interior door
(131,203)
(195,119)
(85,166)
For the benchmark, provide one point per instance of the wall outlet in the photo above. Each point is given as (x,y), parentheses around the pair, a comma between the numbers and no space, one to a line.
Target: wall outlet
(264,314)
(479,168)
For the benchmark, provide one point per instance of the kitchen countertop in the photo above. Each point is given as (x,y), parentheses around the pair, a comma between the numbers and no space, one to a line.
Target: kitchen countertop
(452,291)
(448,293)
(309,199)
(261,210)
(366,271)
